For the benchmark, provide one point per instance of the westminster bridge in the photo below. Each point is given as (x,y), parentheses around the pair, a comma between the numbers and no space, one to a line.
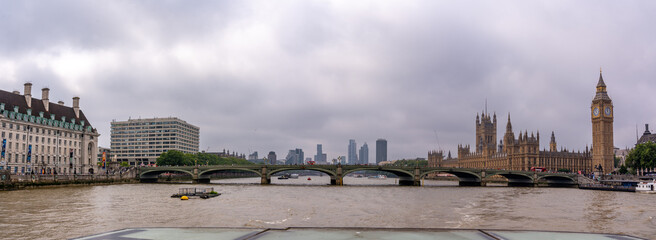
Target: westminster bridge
(408,176)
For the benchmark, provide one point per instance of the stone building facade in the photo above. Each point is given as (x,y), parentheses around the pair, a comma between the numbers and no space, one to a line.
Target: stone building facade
(141,141)
(522,151)
(42,137)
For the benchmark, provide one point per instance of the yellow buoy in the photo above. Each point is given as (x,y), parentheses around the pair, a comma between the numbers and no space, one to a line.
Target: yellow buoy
(184,198)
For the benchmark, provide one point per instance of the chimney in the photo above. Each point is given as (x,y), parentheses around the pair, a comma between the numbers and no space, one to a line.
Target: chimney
(44,98)
(76,106)
(28,94)
(646,130)
(61,103)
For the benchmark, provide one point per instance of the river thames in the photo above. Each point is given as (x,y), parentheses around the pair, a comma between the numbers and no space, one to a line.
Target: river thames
(67,212)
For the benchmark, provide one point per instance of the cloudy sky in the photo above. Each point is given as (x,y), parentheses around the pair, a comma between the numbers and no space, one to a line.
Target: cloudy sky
(277,75)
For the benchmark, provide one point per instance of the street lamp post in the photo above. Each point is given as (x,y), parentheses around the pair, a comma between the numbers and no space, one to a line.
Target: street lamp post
(28,154)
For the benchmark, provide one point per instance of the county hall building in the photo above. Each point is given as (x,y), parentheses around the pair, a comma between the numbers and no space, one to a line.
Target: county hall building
(523,152)
(43,137)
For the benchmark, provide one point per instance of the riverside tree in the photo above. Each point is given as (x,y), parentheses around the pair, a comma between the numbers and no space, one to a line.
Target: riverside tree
(177,158)
(643,156)
(173,158)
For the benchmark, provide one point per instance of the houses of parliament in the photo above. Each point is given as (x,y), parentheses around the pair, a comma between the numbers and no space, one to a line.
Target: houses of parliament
(523,152)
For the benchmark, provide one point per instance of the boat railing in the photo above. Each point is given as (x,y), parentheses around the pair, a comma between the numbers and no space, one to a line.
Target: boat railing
(192,191)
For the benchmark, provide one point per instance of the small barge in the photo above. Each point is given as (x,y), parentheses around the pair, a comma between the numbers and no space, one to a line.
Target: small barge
(203,193)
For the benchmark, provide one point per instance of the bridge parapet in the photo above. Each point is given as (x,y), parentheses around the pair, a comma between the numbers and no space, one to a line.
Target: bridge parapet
(408,175)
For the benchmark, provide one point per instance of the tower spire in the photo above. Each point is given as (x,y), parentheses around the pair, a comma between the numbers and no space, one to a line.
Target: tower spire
(601,86)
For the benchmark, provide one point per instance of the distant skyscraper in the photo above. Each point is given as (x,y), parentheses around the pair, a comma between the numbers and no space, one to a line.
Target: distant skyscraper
(320,157)
(252,156)
(364,154)
(272,158)
(381,150)
(352,152)
(295,157)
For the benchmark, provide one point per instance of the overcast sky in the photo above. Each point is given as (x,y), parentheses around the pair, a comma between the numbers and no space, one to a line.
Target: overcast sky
(276,75)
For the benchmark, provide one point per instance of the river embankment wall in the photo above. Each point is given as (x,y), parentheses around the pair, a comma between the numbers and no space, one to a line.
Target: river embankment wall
(10,182)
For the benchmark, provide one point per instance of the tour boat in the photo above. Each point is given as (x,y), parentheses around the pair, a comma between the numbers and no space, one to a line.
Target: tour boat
(378,177)
(646,187)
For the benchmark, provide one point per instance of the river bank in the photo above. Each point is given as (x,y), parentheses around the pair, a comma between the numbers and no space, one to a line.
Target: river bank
(9,182)
(62,182)
(68,212)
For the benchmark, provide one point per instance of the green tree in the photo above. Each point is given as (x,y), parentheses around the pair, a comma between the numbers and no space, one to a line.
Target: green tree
(177,158)
(642,156)
(623,170)
(173,158)
(410,163)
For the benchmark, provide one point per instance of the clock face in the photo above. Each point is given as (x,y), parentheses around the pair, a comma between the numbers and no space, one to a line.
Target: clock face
(607,111)
(595,112)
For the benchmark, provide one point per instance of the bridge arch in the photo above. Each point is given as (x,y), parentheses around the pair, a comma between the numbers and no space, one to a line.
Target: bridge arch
(151,175)
(205,173)
(326,171)
(406,176)
(398,172)
(465,177)
(515,179)
(557,180)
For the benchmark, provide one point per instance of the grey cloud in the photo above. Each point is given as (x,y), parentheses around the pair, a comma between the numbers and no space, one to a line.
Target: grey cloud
(256,75)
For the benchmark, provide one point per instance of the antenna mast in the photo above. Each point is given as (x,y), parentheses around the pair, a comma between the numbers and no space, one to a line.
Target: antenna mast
(636,132)
(437,140)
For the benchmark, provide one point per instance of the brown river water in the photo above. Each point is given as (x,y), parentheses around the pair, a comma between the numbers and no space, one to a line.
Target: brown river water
(67,212)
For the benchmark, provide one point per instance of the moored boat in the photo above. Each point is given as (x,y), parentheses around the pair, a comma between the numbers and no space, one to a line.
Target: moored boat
(646,187)
(284,176)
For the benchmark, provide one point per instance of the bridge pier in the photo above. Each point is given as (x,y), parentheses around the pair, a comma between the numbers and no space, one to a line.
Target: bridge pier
(265,178)
(338,179)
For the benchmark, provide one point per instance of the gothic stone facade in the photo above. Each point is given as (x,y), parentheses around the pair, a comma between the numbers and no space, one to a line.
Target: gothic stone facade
(523,152)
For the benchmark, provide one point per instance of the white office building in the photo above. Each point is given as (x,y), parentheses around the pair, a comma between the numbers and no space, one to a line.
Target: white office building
(141,141)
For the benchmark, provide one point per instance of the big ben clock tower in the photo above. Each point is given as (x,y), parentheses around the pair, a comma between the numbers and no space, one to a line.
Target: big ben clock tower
(602,129)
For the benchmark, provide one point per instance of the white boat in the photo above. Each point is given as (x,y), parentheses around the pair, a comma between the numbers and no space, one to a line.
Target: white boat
(646,187)
(378,177)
